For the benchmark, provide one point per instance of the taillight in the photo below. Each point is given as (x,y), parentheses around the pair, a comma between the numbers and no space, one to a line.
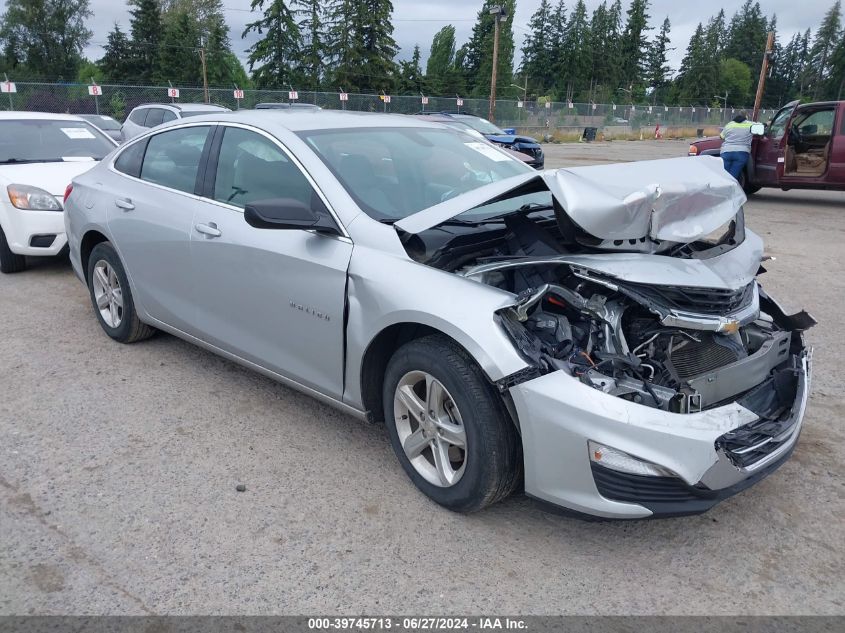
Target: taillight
(68,192)
(693,150)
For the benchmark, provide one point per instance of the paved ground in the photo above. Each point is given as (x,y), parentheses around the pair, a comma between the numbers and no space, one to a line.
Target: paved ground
(118,467)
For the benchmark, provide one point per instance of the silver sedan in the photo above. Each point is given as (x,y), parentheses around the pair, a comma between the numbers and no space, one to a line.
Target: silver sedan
(596,336)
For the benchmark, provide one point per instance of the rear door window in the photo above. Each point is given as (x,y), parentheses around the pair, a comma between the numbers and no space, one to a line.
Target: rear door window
(173,158)
(168,116)
(155,117)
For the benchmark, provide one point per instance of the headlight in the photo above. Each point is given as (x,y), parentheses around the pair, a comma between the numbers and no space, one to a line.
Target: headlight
(622,462)
(32,198)
(693,150)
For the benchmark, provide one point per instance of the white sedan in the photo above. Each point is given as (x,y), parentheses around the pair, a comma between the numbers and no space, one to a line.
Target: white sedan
(40,153)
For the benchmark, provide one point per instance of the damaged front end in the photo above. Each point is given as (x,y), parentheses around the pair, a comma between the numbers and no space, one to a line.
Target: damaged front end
(648,295)
(679,349)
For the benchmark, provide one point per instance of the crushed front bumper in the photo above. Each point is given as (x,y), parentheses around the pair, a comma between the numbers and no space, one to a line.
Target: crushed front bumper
(558,415)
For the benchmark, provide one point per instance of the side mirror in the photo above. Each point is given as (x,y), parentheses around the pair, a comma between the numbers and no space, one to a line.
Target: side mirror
(290,214)
(758,129)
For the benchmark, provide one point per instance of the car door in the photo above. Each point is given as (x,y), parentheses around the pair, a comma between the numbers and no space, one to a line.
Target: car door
(273,297)
(836,173)
(769,149)
(811,135)
(151,214)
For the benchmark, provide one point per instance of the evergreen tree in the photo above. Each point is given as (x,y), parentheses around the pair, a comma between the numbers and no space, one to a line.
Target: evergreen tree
(412,80)
(782,84)
(604,41)
(442,76)
(116,60)
(46,36)
(374,24)
(179,58)
(478,52)
(635,45)
(311,66)
(273,57)
(343,45)
(836,81)
(695,81)
(828,37)
(557,33)
(218,53)
(746,36)
(537,50)
(146,30)
(577,62)
(657,69)
(206,13)
(805,71)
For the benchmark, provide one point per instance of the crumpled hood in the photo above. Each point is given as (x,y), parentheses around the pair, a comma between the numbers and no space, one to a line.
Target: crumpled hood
(674,200)
(510,139)
(51,177)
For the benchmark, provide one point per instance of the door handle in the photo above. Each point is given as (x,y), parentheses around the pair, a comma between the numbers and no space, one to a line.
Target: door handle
(209,229)
(124,203)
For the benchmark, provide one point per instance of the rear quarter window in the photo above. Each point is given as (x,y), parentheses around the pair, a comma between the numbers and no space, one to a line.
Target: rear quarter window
(130,160)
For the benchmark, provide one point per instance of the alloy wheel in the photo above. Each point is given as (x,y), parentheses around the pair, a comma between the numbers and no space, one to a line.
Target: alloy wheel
(107,293)
(430,428)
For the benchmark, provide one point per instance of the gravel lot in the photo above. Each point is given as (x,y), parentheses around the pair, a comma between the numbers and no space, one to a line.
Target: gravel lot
(118,467)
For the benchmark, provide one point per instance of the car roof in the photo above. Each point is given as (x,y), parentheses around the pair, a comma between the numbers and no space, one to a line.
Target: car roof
(300,119)
(15,115)
(282,105)
(436,116)
(183,106)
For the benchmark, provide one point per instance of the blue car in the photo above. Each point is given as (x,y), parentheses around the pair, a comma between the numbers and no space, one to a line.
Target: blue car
(506,138)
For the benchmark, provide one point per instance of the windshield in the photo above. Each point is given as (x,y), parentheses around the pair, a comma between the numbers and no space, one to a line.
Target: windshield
(394,172)
(43,140)
(482,125)
(102,122)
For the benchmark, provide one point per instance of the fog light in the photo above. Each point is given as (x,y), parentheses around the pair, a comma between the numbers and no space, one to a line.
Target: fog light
(622,462)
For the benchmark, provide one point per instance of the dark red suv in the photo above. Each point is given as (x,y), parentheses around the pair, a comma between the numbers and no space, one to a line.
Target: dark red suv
(803,147)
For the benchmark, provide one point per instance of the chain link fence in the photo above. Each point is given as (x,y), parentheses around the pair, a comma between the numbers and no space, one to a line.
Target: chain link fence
(538,118)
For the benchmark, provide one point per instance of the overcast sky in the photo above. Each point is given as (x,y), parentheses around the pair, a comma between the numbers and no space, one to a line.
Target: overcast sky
(416,21)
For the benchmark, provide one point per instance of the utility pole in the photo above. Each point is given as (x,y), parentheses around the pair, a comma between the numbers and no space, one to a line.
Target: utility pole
(764,70)
(499,14)
(204,73)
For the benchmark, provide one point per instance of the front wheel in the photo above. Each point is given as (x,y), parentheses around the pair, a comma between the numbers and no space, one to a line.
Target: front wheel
(448,427)
(112,297)
(10,262)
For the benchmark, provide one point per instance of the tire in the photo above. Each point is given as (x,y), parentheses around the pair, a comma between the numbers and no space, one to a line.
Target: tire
(10,262)
(489,466)
(107,281)
(749,189)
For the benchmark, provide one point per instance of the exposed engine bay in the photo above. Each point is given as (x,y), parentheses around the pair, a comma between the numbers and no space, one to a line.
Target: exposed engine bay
(673,345)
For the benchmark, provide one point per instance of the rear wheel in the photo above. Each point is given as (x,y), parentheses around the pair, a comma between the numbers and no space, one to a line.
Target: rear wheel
(10,262)
(112,297)
(448,427)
